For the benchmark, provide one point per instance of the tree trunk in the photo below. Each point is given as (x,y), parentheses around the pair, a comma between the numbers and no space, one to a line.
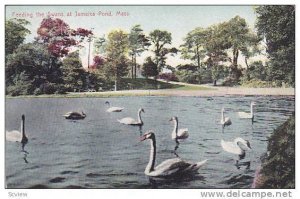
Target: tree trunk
(198,56)
(235,63)
(215,82)
(247,67)
(135,67)
(132,67)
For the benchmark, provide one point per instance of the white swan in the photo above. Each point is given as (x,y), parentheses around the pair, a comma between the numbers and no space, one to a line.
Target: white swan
(75,115)
(113,108)
(178,133)
(234,147)
(169,167)
(17,136)
(246,115)
(225,121)
(131,121)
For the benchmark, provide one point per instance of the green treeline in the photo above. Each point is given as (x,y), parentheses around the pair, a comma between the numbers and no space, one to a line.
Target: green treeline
(51,62)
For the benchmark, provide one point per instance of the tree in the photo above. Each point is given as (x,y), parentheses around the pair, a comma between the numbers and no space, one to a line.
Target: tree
(59,37)
(138,43)
(238,38)
(15,33)
(276,25)
(193,45)
(159,40)
(75,77)
(98,62)
(117,47)
(149,68)
(32,63)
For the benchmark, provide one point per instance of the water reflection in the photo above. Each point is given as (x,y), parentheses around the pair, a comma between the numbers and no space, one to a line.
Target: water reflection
(161,182)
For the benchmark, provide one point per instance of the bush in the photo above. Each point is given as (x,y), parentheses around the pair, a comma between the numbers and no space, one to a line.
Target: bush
(230,81)
(278,169)
(168,77)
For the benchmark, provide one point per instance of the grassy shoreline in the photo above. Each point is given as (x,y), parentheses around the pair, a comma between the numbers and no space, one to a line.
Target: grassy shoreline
(182,91)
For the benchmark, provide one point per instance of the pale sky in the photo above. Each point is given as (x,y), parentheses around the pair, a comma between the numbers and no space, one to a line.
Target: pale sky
(178,20)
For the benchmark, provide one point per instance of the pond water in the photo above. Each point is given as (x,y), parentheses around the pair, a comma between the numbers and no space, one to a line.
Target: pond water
(99,152)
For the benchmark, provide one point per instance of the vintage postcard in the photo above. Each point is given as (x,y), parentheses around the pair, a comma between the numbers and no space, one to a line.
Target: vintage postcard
(150,96)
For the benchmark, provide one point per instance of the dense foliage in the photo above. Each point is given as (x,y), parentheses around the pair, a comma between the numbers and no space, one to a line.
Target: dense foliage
(32,67)
(278,169)
(51,63)
(15,33)
(276,25)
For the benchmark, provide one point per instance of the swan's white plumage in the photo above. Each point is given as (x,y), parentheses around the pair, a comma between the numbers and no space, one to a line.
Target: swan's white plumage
(168,167)
(181,133)
(231,147)
(114,109)
(225,121)
(131,121)
(13,136)
(234,147)
(247,115)
(17,136)
(128,120)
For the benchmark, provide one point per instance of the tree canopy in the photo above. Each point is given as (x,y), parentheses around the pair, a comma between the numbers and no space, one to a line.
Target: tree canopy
(276,26)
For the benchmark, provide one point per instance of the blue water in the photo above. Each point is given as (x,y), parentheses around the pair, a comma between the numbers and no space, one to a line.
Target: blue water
(98,152)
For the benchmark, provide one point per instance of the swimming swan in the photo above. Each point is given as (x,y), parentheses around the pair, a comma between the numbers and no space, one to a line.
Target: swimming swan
(131,121)
(75,115)
(225,121)
(17,136)
(178,133)
(247,115)
(113,108)
(234,147)
(169,167)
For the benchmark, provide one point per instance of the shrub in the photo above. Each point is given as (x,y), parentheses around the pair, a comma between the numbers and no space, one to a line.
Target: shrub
(278,169)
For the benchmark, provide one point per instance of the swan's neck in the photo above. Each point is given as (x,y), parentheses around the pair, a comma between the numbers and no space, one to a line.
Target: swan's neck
(237,144)
(175,130)
(140,118)
(151,163)
(251,111)
(23,129)
(222,115)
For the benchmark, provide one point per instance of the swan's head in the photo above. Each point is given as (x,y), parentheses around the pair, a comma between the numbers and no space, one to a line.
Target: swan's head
(148,135)
(223,109)
(83,113)
(141,110)
(23,117)
(107,102)
(253,103)
(246,143)
(173,119)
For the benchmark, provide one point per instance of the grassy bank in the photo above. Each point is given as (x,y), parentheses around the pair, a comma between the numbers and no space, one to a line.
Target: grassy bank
(278,168)
(127,87)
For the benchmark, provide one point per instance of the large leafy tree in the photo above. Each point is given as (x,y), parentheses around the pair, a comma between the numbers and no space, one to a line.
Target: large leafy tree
(193,46)
(116,50)
(138,43)
(160,41)
(239,39)
(59,37)
(75,77)
(32,64)
(276,25)
(15,33)
(149,68)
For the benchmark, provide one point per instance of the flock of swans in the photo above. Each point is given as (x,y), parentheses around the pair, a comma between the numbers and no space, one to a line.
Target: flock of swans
(169,167)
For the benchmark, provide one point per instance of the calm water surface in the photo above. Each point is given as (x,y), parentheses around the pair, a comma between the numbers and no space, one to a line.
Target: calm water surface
(98,152)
